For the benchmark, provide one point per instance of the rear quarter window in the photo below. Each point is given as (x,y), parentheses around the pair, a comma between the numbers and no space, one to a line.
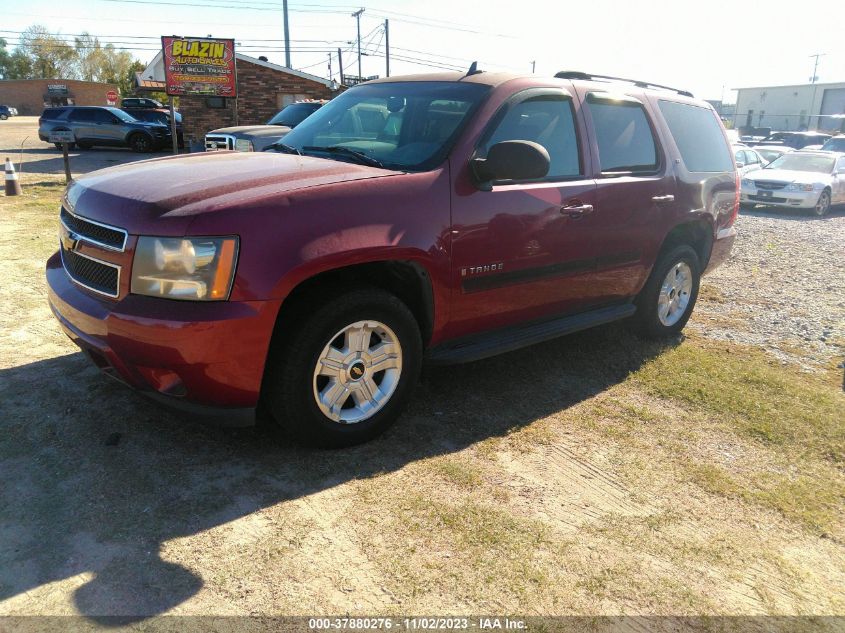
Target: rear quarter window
(698,136)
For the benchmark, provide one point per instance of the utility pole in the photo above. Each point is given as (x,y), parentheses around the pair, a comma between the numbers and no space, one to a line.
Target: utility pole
(533,64)
(287,33)
(815,77)
(340,64)
(387,45)
(330,66)
(357,16)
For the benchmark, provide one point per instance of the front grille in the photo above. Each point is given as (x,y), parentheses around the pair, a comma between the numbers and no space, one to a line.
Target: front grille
(94,232)
(766,199)
(769,186)
(214,142)
(91,273)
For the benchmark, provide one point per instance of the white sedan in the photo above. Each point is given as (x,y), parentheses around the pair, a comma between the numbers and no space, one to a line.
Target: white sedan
(800,180)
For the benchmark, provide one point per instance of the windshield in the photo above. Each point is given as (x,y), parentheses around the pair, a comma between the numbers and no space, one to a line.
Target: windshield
(835,144)
(294,114)
(803,162)
(769,154)
(120,114)
(409,126)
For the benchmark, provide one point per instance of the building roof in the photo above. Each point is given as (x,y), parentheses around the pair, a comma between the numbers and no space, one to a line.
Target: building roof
(804,85)
(152,77)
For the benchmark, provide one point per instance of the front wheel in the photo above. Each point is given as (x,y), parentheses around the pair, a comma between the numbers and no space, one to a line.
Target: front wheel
(70,146)
(345,373)
(823,204)
(665,304)
(141,143)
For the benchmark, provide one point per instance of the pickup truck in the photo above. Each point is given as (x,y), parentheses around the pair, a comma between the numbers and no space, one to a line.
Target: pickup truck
(434,218)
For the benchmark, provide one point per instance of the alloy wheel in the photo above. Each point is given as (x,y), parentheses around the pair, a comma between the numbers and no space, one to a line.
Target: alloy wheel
(674,297)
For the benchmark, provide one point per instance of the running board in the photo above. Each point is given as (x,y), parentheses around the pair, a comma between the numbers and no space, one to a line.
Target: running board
(478,346)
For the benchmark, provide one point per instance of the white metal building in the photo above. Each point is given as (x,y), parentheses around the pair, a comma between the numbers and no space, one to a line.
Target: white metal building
(798,107)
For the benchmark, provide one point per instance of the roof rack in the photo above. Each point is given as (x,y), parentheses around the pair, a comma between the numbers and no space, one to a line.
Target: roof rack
(577,74)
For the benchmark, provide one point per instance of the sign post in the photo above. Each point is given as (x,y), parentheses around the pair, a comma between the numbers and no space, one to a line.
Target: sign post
(65,137)
(198,66)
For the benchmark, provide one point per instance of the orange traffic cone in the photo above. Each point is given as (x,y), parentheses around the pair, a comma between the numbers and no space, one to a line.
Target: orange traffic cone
(13,185)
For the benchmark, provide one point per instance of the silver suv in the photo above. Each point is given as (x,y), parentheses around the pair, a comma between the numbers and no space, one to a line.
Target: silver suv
(94,125)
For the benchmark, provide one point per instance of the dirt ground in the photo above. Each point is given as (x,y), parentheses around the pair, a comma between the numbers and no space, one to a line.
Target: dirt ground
(596,475)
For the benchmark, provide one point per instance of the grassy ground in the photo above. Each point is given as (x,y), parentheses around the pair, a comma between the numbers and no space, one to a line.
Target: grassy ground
(596,475)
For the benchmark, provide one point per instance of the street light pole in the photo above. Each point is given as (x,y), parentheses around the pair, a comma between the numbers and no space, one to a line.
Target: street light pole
(357,16)
(287,33)
(387,45)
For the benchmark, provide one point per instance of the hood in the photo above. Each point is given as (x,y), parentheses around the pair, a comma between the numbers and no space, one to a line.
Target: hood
(254,130)
(787,175)
(163,195)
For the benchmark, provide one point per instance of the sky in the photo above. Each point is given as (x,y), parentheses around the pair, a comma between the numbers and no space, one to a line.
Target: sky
(708,47)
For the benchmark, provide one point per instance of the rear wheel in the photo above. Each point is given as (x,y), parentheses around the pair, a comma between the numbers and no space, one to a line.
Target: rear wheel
(665,304)
(3,117)
(141,143)
(345,373)
(823,203)
(69,145)
(84,145)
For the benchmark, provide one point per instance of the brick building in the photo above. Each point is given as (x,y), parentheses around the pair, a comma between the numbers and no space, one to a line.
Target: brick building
(31,96)
(263,90)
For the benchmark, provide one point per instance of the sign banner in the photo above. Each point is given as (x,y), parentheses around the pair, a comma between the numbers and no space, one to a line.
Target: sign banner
(199,66)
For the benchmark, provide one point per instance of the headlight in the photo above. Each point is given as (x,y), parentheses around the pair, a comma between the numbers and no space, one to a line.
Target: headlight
(797,186)
(190,268)
(746,182)
(244,145)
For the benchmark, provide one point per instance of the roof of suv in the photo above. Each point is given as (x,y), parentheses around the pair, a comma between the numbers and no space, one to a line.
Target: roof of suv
(497,78)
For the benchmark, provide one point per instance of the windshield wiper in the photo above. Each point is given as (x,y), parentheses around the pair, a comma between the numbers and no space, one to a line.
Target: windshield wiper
(361,157)
(278,146)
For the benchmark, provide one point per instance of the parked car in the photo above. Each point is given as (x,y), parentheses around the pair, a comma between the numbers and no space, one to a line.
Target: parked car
(747,159)
(141,103)
(104,126)
(444,217)
(162,117)
(254,138)
(770,152)
(800,180)
(795,140)
(835,144)
(5,112)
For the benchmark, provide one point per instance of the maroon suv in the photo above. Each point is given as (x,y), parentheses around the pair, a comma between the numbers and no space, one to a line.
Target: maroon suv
(440,218)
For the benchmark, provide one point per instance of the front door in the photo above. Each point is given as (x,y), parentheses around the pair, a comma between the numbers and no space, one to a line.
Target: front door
(517,250)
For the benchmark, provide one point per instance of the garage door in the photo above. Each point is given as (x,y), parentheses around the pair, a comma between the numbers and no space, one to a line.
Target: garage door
(833,102)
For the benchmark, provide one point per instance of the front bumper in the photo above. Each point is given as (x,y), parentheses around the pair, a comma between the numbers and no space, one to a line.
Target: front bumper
(780,198)
(202,357)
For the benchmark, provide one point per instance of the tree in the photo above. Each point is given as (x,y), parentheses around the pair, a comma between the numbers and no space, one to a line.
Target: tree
(47,56)
(4,59)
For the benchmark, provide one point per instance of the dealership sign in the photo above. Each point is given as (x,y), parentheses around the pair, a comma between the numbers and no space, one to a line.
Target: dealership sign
(199,66)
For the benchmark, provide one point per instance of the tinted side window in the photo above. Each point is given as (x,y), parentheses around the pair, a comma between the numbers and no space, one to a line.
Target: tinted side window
(82,115)
(547,120)
(624,137)
(698,136)
(102,116)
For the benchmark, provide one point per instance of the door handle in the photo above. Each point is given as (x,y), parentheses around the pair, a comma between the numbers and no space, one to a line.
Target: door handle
(576,210)
(663,199)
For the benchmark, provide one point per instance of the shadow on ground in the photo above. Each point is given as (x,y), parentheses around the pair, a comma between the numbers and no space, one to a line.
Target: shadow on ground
(96,477)
(49,160)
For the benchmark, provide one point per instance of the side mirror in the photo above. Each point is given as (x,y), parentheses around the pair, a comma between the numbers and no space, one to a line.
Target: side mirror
(512,160)
(740,164)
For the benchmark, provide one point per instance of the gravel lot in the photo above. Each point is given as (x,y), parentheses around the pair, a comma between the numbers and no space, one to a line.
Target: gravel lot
(782,288)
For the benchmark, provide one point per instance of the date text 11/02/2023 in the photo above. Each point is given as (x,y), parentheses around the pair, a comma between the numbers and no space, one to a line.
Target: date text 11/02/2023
(417,623)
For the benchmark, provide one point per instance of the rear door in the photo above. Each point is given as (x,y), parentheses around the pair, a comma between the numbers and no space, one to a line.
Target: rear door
(635,192)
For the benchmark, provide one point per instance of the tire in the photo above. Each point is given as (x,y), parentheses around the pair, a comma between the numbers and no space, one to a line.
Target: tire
(3,117)
(84,145)
(70,146)
(141,143)
(299,389)
(823,204)
(674,279)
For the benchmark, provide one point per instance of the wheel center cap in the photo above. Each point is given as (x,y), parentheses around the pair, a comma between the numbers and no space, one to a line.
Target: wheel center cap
(356,371)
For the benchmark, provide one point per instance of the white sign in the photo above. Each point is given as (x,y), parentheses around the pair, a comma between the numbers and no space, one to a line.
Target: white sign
(62,136)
